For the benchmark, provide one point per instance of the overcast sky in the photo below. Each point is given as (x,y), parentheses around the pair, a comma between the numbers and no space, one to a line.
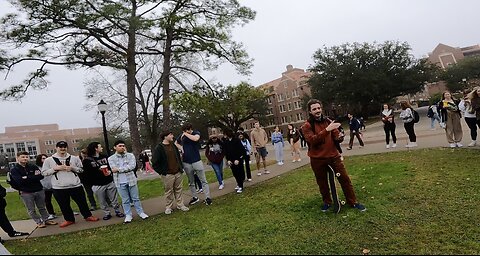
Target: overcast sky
(284,32)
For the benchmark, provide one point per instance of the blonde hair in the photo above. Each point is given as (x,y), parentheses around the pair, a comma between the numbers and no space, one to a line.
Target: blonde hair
(404,104)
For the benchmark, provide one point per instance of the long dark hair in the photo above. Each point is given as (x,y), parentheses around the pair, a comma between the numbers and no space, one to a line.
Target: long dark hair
(38,159)
(92,148)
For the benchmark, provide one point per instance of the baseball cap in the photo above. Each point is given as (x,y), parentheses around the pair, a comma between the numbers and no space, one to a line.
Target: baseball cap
(62,144)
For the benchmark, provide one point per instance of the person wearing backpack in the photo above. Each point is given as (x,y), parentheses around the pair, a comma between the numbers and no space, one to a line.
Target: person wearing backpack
(407,116)
(433,115)
(66,184)
(451,116)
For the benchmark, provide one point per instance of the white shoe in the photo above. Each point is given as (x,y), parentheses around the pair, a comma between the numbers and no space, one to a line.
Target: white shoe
(388,146)
(409,145)
(293,161)
(394,145)
(249,179)
(299,160)
(183,208)
(459,145)
(281,163)
(266,172)
(128,219)
(221,187)
(239,190)
(168,211)
(259,173)
(51,217)
(237,187)
(473,143)
(453,145)
(143,215)
(414,144)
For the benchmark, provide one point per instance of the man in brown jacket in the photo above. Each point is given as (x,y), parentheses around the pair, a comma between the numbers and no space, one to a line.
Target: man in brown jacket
(321,134)
(259,142)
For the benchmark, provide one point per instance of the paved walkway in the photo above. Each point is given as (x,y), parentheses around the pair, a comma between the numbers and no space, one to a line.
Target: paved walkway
(374,138)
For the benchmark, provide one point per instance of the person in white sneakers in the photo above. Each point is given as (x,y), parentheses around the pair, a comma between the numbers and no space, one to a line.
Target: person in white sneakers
(259,142)
(408,123)
(451,116)
(278,144)
(123,165)
(468,112)
(389,125)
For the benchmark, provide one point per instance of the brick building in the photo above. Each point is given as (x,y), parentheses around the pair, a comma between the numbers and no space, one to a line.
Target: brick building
(284,100)
(37,139)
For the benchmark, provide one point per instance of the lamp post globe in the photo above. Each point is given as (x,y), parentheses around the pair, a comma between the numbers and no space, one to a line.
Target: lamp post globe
(102,108)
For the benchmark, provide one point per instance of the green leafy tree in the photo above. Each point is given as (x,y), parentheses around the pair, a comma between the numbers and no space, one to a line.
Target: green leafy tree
(226,108)
(360,77)
(114,33)
(464,74)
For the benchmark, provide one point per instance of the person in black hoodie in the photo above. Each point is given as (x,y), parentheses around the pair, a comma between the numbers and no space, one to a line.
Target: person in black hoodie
(235,155)
(26,178)
(4,222)
(97,172)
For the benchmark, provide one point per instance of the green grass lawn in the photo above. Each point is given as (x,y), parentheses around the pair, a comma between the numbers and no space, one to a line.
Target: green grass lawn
(148,189)
(419,202)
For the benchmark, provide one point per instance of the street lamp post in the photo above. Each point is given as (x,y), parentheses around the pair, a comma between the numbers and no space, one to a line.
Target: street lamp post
(102,108)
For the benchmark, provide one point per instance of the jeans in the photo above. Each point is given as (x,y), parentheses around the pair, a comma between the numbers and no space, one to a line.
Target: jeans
(129,195)
(218,168)
(435,117)
(278,151)
(107,196)
(196,168)
(35,200)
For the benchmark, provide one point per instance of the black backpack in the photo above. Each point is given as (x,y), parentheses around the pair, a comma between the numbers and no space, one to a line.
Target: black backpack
(416,116)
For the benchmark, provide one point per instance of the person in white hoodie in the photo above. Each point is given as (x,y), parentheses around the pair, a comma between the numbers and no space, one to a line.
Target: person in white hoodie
(66,184)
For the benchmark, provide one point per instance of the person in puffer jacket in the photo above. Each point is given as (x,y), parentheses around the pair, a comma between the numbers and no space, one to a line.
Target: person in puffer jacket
(64,169)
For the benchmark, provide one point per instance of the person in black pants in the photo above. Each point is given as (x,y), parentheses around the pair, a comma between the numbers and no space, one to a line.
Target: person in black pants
(235,155)
(87,184)
(4,222)
(248,151)
(388,119)
(303,142)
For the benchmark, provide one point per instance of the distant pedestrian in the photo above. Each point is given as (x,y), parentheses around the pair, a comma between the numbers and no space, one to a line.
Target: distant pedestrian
(259,140)
(278,144)
(451,116)
(66,184)
(408,123)
(4,222)
(354,125)
(388,119)
(167,162)
(293,138)
(470,116)
(434,115)
(98,173)
(362,123)
(27,177)
(189,142)
(214,152)
(47,187)
(123,165)
(235,155)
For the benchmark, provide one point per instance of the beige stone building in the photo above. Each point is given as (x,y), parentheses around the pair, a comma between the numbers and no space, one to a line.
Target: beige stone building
(444,55)
(37,139)
(285,100)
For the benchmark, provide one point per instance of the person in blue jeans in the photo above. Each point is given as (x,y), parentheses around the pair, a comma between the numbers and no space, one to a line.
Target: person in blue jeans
(215,153)
(278,144)
(123,165)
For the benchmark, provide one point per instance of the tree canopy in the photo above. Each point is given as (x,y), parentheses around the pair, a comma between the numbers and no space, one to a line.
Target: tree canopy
(226,108)
(362,76)
(465,73)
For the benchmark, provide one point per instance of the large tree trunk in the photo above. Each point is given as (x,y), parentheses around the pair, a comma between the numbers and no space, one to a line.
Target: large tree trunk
(167,122)
(131,73)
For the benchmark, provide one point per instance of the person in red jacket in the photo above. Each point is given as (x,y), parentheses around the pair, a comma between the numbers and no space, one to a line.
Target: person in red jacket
(321,134)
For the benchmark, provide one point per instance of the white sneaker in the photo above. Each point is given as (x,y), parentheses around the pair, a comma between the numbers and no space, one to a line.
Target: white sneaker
(259,173)
(473,143)
(453,145)
(239,190)
(388,146)
(221,187)
(266,172)
(281,163)
(394,145)
(183,208)
(143,215)
(168,211)
(293,161)
(409,145)
(237,187)
(249,179)
(459,145)
(299,160)
(414,144)
(128,219)
(51,217)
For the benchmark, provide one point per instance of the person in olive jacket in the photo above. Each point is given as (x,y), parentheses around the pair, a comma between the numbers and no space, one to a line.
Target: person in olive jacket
(166,161)
(235,155)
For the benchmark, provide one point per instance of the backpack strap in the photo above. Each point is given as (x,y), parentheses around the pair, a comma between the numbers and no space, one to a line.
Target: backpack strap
(67,161)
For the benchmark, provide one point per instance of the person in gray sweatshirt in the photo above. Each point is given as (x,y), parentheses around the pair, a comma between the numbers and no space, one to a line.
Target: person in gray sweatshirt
(66,184)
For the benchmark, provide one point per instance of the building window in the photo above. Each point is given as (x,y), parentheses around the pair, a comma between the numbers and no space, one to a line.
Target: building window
(287,95)
(77,140)
(20,146)
(284,120)
(50,151)
(289,106)
(10,150)
(282,108)
(294,93)
(49,142)
(269,100)
(299,117)
(280,97)
(32,148)
(75,149)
